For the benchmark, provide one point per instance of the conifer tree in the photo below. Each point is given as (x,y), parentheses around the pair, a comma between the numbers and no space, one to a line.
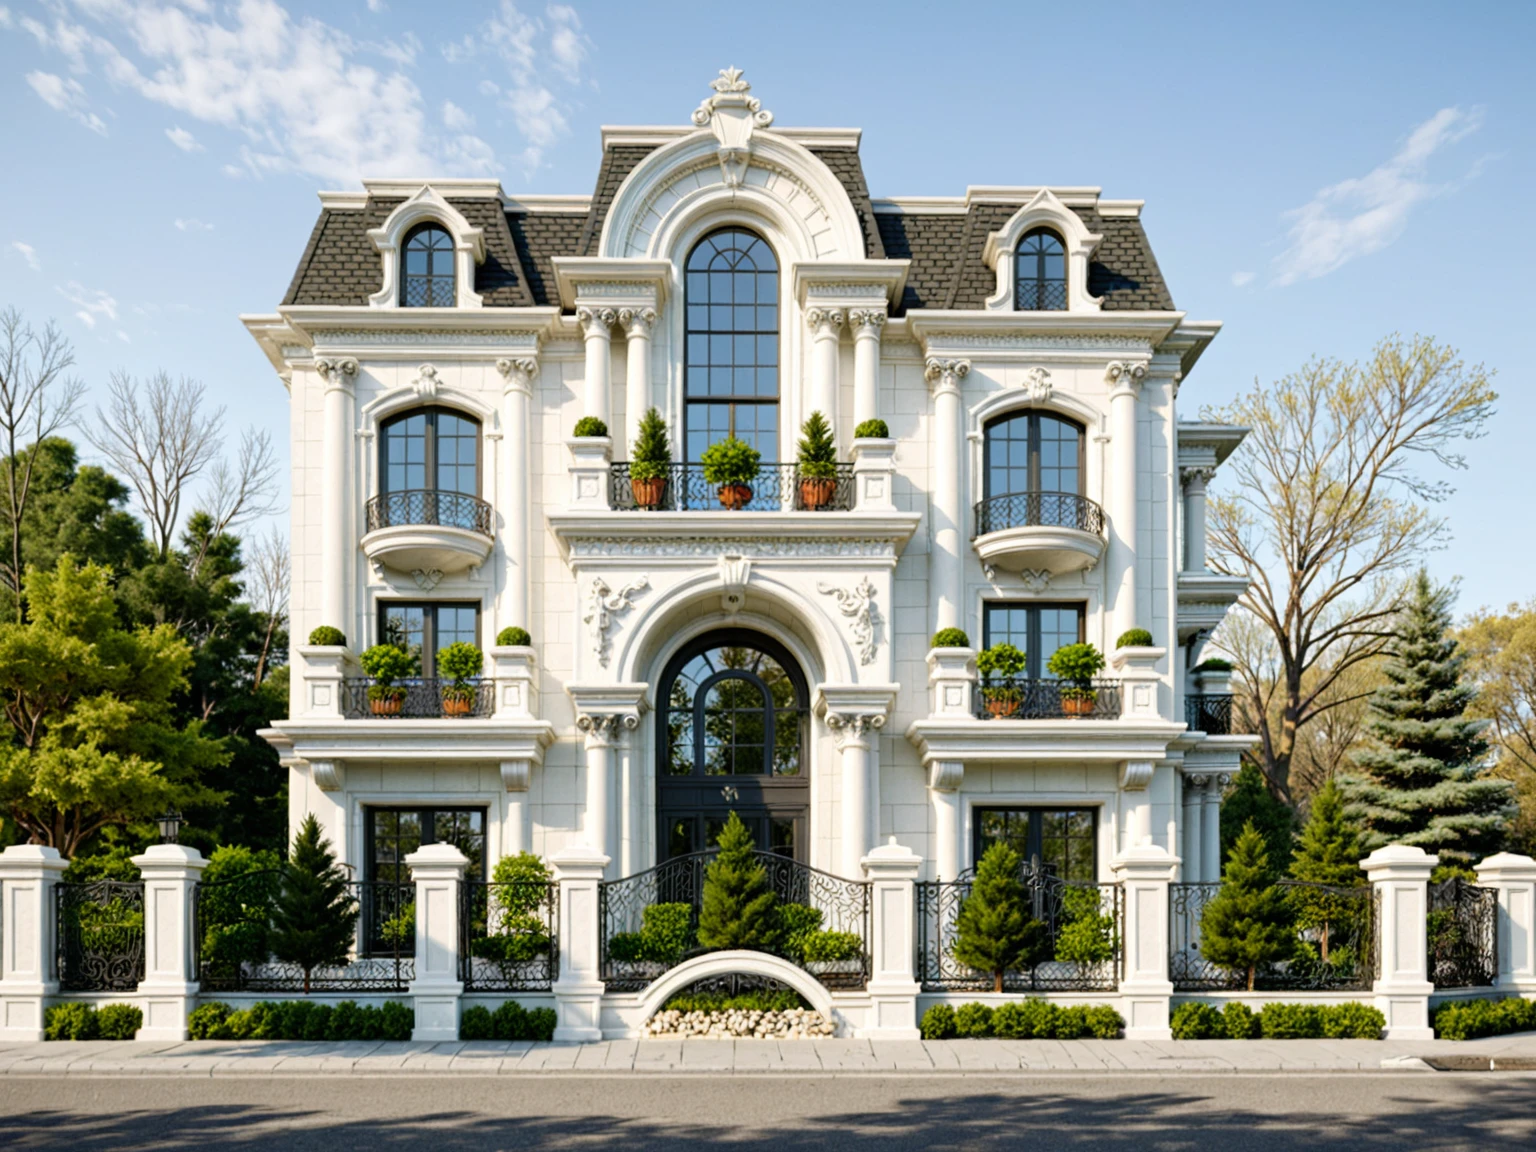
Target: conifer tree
(1422,781)
(994,931)
(1327,853)
(738,906)
(1248,924)
(314,917)
(1250,799)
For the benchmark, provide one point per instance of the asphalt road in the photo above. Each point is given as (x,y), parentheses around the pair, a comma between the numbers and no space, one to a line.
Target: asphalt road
(1415,1111)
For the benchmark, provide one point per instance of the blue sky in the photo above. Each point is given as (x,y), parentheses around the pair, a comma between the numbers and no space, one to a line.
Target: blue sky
(1316,175)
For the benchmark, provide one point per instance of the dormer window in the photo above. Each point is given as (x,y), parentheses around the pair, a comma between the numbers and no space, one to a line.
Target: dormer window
(1040,273)
(429,273)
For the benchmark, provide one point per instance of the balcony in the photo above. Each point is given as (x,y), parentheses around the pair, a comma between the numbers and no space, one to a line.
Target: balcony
(420,698)
(1022,699)
(1211,714)
(1056,532)
(424,530)
(777,488)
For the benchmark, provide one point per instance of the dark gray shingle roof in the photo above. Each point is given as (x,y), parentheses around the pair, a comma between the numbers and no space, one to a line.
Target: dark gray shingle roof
(540,237)
(849,170)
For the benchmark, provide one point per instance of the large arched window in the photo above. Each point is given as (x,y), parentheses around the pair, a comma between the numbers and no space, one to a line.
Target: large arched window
(1040,273)
(732,378)
(429,470)
(1032,473)
(426,279)
(732,737)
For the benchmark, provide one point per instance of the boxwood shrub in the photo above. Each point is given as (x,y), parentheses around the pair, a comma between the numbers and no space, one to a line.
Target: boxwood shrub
(872,429)
(1351,1021)
(1029,1019)
(87,1022)
(1469,1019)
(302,1020)
(510,1021)
(950,638)
(326,636)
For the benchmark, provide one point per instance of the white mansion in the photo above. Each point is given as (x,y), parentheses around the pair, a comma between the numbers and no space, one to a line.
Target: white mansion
(692,649)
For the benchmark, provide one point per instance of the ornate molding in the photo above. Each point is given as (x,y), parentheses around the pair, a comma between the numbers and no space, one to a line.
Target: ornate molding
(328,774)
(604,728)
(1035,579)
(706,548)
(857,289)
(858,605)
(518,371)
(637,321)
(427,578)
(1009,342)
(337,372)
(596,321)
(946,775)
(852,727)
(602,289)
(824,321)
(1201,474)
(945,375)
(867,321)
(516,775)
(735,570)
(1037,383)
(731,114)
(603,604)
(514,341)
(1136,775)
(426,383)
(1125,374)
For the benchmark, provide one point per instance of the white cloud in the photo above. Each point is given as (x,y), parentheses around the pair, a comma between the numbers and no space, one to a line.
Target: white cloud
(1361,215)
(123,336)
(1242,279)
(92,302)
(29,254)
(5,17)
(566,43)
(66,96)
(455,119)
(377,5)
(193,225)
(183,139)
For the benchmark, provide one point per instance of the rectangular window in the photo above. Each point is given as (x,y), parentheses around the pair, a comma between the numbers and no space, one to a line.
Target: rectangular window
(1037,630)
(1065,840)
(394,833)
(424,629)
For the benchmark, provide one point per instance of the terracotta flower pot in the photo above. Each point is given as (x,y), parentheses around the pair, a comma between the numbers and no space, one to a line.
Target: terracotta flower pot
(1078,705)
(1002,707)
(816,492)
(649,494)
(386,705)
(458,705)
(735,496)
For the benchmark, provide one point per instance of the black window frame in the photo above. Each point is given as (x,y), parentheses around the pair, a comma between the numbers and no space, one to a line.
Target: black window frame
(1035,659)
(429,465)
(1035,834)
(431,277)
(429,626)
(426,813)
(1033,418)
(1041,284)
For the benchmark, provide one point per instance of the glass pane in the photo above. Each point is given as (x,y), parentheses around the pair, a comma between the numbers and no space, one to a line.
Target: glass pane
(781,837)
(405,626)
(1007,452)
(1058,627)
(682,838)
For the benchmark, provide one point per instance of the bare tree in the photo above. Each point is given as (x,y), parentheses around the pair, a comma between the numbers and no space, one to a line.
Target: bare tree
(267,591)
(158,436)
(1328,512)
(241,491)
(37,400)
(1501,651)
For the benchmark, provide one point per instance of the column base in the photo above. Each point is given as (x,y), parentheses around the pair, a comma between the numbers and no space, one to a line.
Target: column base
(1146,1011)
(892,1012)
(23,1010)
(1407,1012)
(578,1012)
(436,1010)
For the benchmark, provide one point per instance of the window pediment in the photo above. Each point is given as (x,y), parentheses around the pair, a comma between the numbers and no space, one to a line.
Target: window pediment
(427,207)
(1045,210)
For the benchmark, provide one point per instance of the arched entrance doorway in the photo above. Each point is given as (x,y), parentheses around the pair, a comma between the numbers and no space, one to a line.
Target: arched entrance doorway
(732,735)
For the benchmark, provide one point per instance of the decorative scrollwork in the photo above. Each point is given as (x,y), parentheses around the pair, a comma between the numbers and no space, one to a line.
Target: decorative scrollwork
(1462,933)
(100,935)
(603,604)
(509,936)
(858,605)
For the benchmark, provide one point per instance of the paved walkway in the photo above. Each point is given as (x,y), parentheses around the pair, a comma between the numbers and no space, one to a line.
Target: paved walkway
(745,1057)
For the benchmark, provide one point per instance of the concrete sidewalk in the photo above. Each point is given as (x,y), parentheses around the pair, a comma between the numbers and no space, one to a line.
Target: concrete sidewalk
(757,1057)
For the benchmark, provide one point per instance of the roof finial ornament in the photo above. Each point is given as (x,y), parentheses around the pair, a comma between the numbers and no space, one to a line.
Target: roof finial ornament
(731,114)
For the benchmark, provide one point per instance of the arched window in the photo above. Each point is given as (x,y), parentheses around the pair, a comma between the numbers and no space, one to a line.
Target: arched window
(731,737)
(427,277)
(1040,273)
(1032,474)
(732,377)
(429,470)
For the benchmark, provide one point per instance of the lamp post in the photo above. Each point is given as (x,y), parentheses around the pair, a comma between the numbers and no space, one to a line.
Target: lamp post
(170,826)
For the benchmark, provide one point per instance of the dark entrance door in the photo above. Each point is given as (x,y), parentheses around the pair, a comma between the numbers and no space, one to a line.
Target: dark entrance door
(732,738)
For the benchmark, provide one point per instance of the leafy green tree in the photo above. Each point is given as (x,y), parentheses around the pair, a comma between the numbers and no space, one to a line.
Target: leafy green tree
(1250,800)
(95,740)
(738,906)
(1327,853)
(994,931)
(1423,781)
(314,917)
(1248,924)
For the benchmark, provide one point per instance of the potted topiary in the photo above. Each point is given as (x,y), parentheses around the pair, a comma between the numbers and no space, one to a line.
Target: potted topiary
(818,463)
(327,637)
(872,430)
(589,426)
(459,663)
(513,637)
(384,664)
(731,466)
(1006,661)
(649,461)
(1077,664)
(950,638)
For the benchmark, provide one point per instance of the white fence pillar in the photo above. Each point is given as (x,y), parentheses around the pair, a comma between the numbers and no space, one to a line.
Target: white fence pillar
(438,871)
(28,873)
(1400,874)
(168,992)
(579,990)
(1514,877)
(892,872)
(1145,870)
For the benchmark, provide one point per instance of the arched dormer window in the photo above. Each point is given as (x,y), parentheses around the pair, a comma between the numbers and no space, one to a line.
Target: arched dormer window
(428,275)
(732,377)
(1040,273)
(429,470)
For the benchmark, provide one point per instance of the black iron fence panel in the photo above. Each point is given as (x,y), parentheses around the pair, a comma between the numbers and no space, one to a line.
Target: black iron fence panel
(1079,950)
(99,935)
(509,936)
(1018,698)
(1039,510)
(417,698)
(1334,944)
(233,927)
(648,923)
(1462,934)
(1208,713)
(775,488)
(418,506)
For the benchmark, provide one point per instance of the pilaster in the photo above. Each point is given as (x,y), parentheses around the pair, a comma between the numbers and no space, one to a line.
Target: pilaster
(597,334)
(825,325)
(892,871)
(1514,878)
(28,874)
(336,491)
(867,325)
(1400,875)
(854,714)
(518,374)
(1145,871)
(168,992)
(1124,378)
(578,871)
(438,871)
(947,494)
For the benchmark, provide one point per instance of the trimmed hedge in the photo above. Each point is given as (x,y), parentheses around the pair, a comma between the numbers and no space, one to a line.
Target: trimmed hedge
(950,638)
(510,1021)
(589,426)
(873,430)
(514,637)
(1351,1021)
(1134,638)
(326,636)
(302,1020)
(87,1022)
(1469,1019)
(782,1000)
(1030,1019)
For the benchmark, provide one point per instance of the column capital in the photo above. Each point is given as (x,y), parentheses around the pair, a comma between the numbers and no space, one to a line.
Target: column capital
(518,372)
(596,322)
(605,729)
(1197,476)
(945,375)
(853,727)
(867,322)
(824,322)
(337,371)
(1124,376)
(637,322)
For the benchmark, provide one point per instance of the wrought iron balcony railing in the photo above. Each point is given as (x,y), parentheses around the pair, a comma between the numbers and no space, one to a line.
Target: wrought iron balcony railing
(776,488)
(1208,713)
(419,698)
(415,506)
(1039,510)
(1017,698)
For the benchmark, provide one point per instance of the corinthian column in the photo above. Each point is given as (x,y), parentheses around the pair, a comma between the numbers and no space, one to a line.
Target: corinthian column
(852,732)
(596,331)
(637,324)
(602,731)
(517,391)
(336,497)
(1124,379)
(946,495)
(825,324)
(867,325)
(1195,480)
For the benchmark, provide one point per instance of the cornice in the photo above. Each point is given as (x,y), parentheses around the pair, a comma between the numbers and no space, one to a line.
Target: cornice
(460,741)
(849,284)
(976,334)
(602,279)
(593,539)
(1042,741)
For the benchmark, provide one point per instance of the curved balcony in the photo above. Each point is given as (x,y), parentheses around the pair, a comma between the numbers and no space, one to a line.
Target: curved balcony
(1052,531)
(424,530)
